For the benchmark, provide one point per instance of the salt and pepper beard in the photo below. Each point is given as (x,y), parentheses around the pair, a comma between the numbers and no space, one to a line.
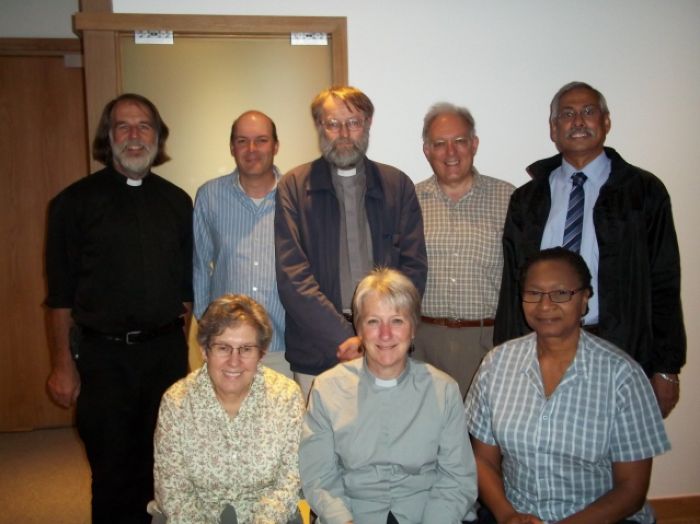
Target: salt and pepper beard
(137,167)
(343,159)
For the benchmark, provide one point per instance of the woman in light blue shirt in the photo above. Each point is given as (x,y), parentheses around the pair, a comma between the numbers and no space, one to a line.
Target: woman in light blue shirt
(384,439)
(564,425)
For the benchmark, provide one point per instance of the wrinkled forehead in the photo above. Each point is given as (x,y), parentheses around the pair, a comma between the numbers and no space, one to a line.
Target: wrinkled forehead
(335,105)
(131,109)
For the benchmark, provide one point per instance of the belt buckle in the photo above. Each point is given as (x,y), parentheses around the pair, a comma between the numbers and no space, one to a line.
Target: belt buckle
(130,334)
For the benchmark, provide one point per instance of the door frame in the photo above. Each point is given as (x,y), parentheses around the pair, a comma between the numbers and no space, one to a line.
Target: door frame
(100,33)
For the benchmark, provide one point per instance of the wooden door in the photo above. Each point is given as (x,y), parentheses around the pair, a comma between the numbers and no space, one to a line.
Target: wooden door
(43,148)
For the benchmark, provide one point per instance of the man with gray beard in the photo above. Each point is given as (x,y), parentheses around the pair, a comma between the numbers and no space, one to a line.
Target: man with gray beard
(119,272)
(336,219)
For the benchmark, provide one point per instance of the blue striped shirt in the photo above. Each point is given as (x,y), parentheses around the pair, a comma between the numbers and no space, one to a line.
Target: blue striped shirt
(234,249)
(558,451)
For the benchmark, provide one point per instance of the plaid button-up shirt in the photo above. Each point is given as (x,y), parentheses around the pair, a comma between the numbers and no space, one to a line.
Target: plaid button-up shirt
(558,451)
(463,239)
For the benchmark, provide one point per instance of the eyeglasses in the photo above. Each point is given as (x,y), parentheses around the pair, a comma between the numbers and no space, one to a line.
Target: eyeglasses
(569,114)
(351,124)
(225,351)
(558,296)
(460,142)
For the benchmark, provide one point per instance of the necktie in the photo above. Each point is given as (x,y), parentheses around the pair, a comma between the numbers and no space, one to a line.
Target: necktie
(574,215)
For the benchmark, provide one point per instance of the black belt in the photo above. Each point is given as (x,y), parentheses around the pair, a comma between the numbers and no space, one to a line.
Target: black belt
(134,337)
(457,322)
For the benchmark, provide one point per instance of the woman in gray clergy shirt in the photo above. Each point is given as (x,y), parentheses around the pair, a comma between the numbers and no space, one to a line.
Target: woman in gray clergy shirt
(384,439)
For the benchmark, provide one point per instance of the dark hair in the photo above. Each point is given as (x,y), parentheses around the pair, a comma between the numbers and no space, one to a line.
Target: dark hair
(352,97)
(102,145)
(235,123)
(574,260)
(230,311)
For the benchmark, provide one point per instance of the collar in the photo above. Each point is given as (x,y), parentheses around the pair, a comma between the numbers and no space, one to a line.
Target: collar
(320,177)
(596,170)
(433,187)
(236,182)
(398,380)
(120,179)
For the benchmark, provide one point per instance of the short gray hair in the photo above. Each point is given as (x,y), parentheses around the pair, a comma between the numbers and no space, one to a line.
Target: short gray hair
(554,106)
(392,286)
(446,108)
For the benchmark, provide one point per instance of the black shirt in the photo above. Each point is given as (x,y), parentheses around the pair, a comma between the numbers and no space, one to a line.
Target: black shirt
(120,256)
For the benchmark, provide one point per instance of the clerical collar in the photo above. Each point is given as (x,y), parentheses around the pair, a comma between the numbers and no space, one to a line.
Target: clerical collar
(385,383)
(347,172)
(135,182)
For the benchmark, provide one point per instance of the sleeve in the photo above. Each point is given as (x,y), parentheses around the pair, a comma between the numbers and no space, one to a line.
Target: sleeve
(510,322)
(638,430)
(174,492)
(279,502)
(321,475)
(299,291)
(413,258)
(62,254)
(669,347)
(203,254)
(455,488)
(476,405)
(187,251)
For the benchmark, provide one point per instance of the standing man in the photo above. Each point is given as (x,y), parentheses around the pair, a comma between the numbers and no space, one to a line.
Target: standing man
(337,218)
(234,229)
(463,212)
(618,217)
(119,268)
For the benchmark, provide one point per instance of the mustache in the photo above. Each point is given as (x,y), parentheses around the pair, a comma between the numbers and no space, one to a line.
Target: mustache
(587,130)
(134,143)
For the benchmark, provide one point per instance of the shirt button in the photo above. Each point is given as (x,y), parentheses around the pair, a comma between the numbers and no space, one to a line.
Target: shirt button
(255,263)
(255,288)
(545,417)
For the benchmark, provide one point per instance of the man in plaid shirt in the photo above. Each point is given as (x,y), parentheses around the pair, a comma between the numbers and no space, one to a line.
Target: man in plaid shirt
(463,213)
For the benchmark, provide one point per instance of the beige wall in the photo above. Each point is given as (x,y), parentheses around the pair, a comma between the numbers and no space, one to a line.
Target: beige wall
(210,81)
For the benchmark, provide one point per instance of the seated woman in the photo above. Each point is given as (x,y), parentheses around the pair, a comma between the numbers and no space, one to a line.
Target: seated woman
(564,425)
(227,437)
(384,438)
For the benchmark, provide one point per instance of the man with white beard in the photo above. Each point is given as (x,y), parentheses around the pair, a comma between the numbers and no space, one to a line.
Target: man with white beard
(336,219)
(119,271)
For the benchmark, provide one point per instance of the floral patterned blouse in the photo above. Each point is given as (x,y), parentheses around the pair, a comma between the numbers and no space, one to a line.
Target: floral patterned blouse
(205,459)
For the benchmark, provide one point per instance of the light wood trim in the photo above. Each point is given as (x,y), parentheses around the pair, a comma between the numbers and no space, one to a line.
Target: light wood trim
(211,24)
(100,63)
(39,46)
(677,510)
(100,32)
(96,5)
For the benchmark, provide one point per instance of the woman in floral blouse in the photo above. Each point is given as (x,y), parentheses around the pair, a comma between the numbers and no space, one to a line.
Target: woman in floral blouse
(226,444)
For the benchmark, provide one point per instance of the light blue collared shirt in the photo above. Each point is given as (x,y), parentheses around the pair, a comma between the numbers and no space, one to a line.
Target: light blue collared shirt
(234,248)
(559,450)
(597,173)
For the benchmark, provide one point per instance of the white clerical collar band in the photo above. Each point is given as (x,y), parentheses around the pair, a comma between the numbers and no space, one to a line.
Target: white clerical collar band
(135,182)
(385,383)
(347,172)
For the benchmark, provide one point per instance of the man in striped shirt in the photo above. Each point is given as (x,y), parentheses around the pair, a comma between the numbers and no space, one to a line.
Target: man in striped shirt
(233,229)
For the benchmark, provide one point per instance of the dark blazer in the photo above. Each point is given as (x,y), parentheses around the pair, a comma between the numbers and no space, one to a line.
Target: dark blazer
(307,223)
(639,266)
